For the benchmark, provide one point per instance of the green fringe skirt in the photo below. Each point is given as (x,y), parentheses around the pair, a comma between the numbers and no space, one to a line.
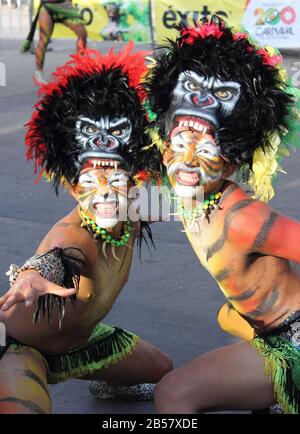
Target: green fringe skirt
(106,346)
(60,14)
(282,365)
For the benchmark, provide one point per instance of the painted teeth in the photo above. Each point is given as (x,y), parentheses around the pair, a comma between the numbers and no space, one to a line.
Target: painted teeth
(103,163)
(195,125)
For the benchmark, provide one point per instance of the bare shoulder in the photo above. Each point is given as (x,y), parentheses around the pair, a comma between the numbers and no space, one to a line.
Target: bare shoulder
(245,218)
(67,233)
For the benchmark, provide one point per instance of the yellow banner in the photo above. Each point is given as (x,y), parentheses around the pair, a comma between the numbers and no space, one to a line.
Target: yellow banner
(93,14)
(117,20)
(186,11)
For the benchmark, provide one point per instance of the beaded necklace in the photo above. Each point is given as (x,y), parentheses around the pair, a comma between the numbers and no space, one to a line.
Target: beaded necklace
(202,211)
(101,234)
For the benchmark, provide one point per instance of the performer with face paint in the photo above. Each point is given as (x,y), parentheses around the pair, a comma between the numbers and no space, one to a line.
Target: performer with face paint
(87,133)
(221,105)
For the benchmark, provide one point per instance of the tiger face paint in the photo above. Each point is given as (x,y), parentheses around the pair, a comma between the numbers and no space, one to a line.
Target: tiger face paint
(105,137)
(198,104)
(193,162)
(201,101)
(102,192)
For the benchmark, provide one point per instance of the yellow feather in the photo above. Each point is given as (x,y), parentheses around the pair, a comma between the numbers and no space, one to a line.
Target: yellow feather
(264,167)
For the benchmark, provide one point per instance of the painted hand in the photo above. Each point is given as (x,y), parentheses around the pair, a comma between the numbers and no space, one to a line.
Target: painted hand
(28,287)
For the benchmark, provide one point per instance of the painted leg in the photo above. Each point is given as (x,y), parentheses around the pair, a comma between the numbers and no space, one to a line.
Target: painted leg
(23,382)
(80,32)
(46,28)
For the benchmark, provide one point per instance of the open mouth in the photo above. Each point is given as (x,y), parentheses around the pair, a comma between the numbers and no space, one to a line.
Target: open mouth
(182,123)
(187,177)
(101,157)
(100,162)
(95,163)
(106,209)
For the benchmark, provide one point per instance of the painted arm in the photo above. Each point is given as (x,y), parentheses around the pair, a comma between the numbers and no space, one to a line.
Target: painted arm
(258,228)
(45,280)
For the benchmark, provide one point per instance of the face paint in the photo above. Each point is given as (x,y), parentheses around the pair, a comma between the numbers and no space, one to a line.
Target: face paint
(197,106)
(201,101)
(103,138)
(193,162)
(102,194)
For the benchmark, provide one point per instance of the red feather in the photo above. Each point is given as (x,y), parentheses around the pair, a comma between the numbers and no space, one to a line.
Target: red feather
(190,34)
(83,63)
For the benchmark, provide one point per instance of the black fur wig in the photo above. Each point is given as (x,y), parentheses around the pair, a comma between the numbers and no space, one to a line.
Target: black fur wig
(213,49)
(89,85)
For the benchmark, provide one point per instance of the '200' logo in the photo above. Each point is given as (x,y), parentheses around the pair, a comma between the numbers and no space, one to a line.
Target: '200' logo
(273,16)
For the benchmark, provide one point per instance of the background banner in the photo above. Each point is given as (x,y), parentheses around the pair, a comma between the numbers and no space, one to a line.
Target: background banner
(270,22)
(274,22)
(167,16)
(118,20)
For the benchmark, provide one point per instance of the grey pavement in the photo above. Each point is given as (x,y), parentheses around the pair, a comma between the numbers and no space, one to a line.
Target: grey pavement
(170,300)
